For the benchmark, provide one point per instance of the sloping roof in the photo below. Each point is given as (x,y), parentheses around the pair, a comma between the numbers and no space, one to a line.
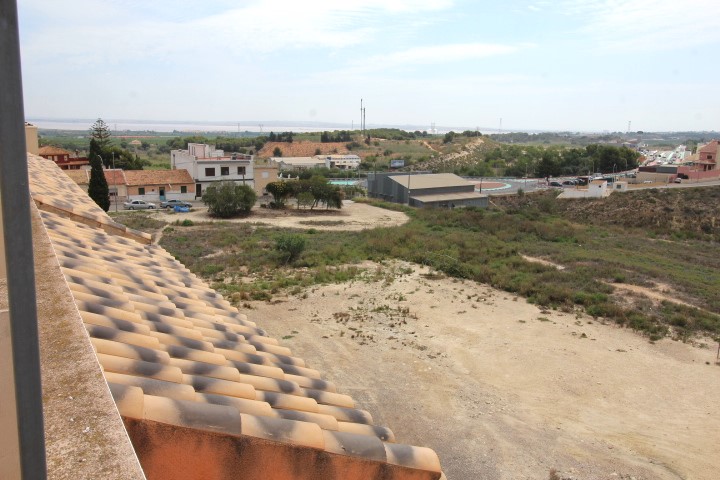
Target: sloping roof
(52,150)
(80,177)
(430,180)
(299,160)
(115,177)
(710,147)
(448,197)
(174,352)
(158,177)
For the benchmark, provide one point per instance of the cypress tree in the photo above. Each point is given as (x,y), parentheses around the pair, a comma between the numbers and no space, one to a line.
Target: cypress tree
(98,187)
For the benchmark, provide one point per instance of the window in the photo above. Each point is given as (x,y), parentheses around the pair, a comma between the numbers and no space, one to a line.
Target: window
(141,191)
(209,172)
(241,170)
(709,157)
(224,170)
(183,189)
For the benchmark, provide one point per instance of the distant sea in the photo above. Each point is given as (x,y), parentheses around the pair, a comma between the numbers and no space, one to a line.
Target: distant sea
(218,126)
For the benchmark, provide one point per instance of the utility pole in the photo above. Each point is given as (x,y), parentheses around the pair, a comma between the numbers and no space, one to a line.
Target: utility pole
(362,119)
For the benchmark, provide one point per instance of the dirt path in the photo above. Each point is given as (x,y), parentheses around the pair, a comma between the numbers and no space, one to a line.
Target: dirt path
(352,217)
(502,390)
(431,147)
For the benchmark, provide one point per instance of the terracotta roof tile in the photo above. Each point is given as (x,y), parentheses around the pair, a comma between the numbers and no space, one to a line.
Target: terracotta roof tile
(174,352)
(157,177)
(52,150)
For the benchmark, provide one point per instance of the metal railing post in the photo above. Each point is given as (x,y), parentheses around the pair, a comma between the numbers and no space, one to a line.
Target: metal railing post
(17,246)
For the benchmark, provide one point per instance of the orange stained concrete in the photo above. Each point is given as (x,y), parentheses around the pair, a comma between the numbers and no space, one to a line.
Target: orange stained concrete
(178,453)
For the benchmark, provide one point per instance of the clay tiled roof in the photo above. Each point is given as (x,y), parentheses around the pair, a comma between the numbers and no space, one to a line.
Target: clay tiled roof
(711,147)
(115,177)
(51,150)
(180,358)
(157,177)
(81,177)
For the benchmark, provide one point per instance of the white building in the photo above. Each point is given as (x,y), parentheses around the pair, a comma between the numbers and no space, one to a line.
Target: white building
(208,165)
(342,162)
(595,189)
(297,163)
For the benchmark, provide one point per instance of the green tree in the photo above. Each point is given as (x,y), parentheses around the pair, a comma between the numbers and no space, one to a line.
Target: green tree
(305,199)
(98,186)
(228,199)
(280,191)
(100,132)
(277,152)
(290,245)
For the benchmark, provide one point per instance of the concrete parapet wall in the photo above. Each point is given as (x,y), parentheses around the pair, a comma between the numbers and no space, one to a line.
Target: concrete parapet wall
(179,453)
(84,434)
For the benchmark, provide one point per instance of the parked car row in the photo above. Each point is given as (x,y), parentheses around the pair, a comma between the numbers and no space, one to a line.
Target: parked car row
(143,205)
(175,203)
(139,205)
(565,183)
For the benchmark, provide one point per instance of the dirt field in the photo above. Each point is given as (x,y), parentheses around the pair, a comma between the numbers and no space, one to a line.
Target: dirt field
(302,149)
(353,216)
(502,390)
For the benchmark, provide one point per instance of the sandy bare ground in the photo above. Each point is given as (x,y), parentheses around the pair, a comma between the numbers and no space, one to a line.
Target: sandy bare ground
(352,217)
(502,390)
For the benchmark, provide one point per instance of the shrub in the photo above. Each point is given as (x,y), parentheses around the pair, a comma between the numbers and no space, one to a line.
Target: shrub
(290,245)
(229,199)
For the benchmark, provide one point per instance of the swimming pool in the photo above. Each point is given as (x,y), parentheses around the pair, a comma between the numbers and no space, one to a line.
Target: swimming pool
(343,182)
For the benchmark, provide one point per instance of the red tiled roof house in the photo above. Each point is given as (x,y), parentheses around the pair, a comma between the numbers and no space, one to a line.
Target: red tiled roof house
(63,158)
(159,185)
(708,156)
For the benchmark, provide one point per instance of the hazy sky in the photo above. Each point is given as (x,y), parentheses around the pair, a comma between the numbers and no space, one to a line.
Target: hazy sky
(560,65)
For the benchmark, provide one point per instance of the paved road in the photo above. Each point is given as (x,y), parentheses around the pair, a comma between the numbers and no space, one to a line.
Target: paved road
(506,186)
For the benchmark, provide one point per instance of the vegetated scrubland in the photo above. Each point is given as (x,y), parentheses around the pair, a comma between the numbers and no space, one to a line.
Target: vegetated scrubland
(488,246)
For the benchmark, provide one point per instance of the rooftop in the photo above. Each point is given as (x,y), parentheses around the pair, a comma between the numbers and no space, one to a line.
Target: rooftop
(198,384)
(448,197)
(431,180)
(52,150)
(157,177)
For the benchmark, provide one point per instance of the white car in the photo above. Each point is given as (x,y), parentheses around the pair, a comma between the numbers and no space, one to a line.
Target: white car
(139,205)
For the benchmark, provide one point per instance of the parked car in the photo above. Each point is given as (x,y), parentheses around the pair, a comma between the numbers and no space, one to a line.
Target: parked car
(175,203)
(555,184)
(678,180)
(138,205)
(569,183)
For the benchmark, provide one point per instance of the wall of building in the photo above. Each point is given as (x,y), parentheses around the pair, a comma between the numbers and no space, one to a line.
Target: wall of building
(152,193)
(474,202)
(173,452)
(180,159)
(232,169)
(263,176)
(592,191)
(31,139)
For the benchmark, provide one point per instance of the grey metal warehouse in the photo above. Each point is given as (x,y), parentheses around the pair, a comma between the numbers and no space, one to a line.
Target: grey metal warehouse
(420,189)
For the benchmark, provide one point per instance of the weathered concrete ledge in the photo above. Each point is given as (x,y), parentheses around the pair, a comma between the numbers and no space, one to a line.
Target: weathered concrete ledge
(84,434)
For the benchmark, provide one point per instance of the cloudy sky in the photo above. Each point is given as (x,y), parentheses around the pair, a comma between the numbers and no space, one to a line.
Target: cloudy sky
(580,65)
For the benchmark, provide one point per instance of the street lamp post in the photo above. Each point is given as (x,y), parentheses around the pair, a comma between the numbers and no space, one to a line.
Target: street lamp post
(116,188)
